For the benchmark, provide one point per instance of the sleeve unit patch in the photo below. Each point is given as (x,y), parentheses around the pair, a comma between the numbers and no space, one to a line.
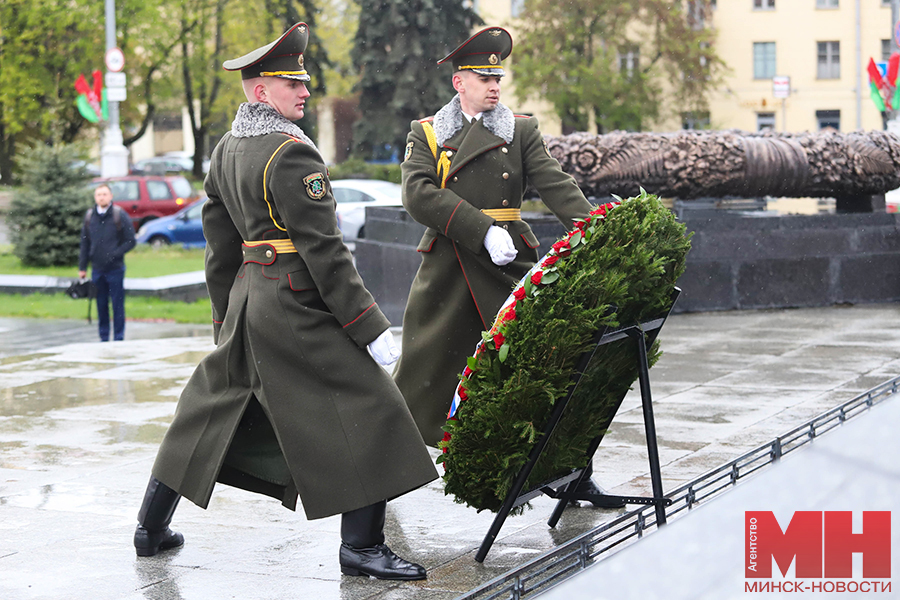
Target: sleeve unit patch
(408,153)
(315,185)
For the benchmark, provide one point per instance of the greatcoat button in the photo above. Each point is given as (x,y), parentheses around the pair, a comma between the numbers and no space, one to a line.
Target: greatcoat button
(505,226)
(506,176)
(505,203)
(504,150)
(455,178)
(449,153)
(268,254)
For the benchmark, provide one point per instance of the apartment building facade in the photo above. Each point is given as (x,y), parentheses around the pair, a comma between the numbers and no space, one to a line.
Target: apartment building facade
(814,52)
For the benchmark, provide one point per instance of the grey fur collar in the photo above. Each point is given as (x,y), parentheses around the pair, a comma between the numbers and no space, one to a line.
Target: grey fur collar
(257,118)
(500,121)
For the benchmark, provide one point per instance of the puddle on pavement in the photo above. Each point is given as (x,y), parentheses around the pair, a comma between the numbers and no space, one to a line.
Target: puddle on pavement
(190,358)
(12,360)
(147,433)
(38,398)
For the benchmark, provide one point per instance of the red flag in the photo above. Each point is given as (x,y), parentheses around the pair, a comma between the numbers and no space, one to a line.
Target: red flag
(893,67)
(875,74)
(98,85)
(81,85)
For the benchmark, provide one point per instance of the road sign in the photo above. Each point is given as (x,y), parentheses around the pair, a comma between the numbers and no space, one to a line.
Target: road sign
(115,60)
(781,87)
(116,94)
(114,80)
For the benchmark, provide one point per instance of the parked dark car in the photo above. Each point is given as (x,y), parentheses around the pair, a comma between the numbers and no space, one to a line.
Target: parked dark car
(168,163)
(184,227)
(147,197)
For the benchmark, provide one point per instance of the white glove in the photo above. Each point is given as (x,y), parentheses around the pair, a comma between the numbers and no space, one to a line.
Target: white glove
(499,245)
(383,349)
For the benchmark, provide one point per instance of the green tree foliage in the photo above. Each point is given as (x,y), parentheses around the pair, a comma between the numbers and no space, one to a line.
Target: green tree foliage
(613,272)
(397,46)
(44,46)
(46,214)
(148,40)
(620,62)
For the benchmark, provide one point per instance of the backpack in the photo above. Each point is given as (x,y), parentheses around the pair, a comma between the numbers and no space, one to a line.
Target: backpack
(117,218)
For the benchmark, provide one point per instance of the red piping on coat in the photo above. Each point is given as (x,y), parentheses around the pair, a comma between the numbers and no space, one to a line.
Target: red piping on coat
(360,315)
(461,268)
(451,217)
(430,246)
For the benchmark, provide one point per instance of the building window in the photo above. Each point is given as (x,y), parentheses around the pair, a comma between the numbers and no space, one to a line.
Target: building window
(516,8)
(696,14)
(826,3)
(629,59)
(829,118)
(885,50)
(763,60)
(764,4)
(695,120)
(829,62)
(765,121)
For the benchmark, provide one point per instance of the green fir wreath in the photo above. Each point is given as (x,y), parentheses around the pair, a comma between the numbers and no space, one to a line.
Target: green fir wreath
(627,255)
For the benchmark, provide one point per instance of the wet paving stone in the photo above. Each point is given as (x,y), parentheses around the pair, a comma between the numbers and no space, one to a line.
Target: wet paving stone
(80,423)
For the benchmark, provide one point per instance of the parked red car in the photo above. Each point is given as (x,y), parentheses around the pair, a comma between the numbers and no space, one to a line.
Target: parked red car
(148,197)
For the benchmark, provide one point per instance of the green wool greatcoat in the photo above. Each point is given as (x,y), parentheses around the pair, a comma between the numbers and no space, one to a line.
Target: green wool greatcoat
(290,401)
(458,290)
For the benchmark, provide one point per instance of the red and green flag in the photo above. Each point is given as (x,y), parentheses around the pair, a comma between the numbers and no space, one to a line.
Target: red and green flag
(91,100)
(876,83)
(892,69)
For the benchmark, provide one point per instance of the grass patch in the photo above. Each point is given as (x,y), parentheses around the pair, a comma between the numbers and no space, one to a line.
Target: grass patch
(142,308)
(143,261)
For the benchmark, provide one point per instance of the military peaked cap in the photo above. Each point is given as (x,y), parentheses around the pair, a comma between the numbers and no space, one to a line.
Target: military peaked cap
(482,52)
(282,58)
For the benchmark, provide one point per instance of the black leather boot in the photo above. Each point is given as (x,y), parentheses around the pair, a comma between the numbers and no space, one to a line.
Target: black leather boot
(153,533)
(363,551)
(593,493)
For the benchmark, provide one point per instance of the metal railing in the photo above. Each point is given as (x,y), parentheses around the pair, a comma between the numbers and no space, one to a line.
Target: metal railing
(545,571)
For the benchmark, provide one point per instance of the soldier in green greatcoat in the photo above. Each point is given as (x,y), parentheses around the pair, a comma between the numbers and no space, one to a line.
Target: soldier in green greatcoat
(464,176)
(293,400)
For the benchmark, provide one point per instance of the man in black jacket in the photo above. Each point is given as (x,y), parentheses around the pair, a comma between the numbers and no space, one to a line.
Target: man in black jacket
(105,238)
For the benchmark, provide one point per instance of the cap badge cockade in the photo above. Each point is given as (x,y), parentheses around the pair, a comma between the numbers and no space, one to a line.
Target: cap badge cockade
(493,59)
(495,32)
(300,61)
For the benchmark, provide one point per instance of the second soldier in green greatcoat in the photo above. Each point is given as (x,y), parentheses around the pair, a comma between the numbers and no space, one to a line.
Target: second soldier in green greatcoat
(464,176)
(294,399)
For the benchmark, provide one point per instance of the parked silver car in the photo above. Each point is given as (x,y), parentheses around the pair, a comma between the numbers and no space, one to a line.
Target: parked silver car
(354,195)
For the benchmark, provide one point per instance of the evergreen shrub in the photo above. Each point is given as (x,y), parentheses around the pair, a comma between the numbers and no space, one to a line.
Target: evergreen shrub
(47,212)
(357,168)
(626,256)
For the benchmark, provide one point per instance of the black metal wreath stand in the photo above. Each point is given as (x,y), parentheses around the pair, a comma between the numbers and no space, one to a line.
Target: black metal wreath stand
(564,488)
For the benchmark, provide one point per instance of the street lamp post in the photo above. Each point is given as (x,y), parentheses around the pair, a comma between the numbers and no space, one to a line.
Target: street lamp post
(113,154)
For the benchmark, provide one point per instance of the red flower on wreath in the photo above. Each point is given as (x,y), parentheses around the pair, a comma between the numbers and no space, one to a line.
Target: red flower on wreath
(509,315)
(498,341)
(550,261)
(462,393)
(536,278)
(562,247)
(467,371)
(519,294)
(580,225)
